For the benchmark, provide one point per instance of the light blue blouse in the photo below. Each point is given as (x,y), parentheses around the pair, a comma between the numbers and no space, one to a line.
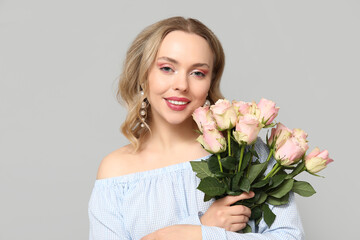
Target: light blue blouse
(134,205)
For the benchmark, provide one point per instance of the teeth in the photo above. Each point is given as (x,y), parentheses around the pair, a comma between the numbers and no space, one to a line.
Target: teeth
(176,102)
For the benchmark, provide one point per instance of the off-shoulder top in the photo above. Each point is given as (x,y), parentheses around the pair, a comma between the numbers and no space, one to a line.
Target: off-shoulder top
(134,205)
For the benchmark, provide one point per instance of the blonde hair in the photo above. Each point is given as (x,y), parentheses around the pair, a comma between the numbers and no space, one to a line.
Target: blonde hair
(140,57)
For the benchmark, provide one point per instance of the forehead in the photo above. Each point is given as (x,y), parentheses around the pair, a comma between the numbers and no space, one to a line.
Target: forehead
(186,47)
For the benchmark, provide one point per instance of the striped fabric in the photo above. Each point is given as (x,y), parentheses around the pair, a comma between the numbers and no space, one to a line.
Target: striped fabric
(134,205)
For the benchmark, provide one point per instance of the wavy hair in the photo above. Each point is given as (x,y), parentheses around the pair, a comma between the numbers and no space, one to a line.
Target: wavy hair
(139,58)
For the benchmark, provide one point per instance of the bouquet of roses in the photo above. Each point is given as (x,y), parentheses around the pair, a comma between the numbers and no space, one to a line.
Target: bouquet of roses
(229,131)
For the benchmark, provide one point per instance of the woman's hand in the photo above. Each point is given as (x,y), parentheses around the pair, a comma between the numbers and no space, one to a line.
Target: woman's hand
(176,232)
(231,218)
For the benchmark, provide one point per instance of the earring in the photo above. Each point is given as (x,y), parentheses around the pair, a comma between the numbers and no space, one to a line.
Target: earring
(207,103)
(143,111)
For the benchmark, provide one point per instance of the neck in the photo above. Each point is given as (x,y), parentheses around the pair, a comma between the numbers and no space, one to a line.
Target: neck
(169,138)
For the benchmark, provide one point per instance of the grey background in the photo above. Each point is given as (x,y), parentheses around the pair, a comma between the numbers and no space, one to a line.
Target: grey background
(59,62)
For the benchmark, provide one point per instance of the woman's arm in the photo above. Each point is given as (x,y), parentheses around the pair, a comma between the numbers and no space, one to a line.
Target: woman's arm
(220,214)
(286,226)
(176,232)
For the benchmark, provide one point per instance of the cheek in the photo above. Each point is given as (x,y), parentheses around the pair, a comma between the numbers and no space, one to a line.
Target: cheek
(157,86)
(201,91)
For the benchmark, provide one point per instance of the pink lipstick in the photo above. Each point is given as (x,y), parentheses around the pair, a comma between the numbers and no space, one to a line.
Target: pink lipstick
(176,103)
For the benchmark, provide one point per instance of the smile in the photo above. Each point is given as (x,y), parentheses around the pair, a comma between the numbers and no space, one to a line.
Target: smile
(176,102)
(176,105)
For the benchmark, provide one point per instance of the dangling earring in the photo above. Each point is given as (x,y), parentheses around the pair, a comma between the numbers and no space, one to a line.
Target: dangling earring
(207,103)
(143,111)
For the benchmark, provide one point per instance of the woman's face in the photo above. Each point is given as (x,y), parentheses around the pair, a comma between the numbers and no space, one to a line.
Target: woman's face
(180,77)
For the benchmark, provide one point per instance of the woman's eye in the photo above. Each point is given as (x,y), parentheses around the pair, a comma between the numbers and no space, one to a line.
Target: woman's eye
(166,69)
(199,74)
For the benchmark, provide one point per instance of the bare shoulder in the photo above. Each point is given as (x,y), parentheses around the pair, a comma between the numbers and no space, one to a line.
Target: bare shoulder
(116,163)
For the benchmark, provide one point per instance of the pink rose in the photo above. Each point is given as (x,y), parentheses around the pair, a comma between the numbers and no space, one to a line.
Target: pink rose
(212,140)
(300,134)
(203,116)
(268,111)
(241,107)
(293,149)
(279,134)
(316,161)
(224,114)
(247,129)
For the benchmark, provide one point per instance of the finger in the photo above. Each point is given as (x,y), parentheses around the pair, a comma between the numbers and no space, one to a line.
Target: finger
(237,210)
(228,200)
(246,195)
(239,219)
(236,227)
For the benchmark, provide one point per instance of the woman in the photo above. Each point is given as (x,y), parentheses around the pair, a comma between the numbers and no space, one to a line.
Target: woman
(147,189)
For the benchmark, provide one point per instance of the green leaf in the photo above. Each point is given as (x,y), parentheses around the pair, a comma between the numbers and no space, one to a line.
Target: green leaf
(257,222)
(247,229)
(232,193)
(236,181)
(235,147)
(201,168)
(245,184)
(297,170)
(277,180)
(303,189)
(260,183)
(255,170)
(283,189)
(223,174)
(245,161)
(270,125)
(269,216)
(213,164)
(211,186)
(262,198)
(198,131)
(278,201)
(256,213)
(246,202)
(229,162)
(207,198)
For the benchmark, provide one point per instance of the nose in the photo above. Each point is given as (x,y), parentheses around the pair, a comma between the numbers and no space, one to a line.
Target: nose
(181,83)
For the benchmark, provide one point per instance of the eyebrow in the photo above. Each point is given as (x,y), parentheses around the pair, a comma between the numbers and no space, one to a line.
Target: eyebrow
(176,62)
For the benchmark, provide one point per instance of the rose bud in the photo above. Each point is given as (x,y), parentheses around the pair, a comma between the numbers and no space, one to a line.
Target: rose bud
(299,133)
(212,140)
(241,107)
(316,161)
(203,116)
(291,151)
(268,111)
(279,134)
(247,129)
(224,114)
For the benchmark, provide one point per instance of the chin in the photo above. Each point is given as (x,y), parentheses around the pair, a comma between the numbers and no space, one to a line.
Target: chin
(178,120)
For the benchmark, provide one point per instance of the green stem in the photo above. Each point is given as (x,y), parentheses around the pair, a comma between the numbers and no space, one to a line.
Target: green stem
(304,168)
(229,142)
(249,164)
(278,169)
(241,156)
(270,154)
(277,165)
(218,156)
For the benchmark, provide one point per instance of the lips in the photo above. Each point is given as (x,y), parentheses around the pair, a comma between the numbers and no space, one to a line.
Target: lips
(178,99)
(176,103)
